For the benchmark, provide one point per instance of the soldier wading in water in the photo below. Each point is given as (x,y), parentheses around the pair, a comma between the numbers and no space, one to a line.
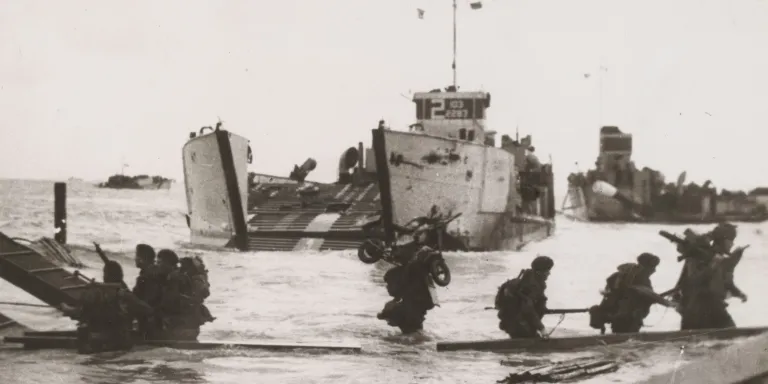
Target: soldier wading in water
(183,291)
(628,297)
(522,301)
(409,285)
(707,278)
(106,312)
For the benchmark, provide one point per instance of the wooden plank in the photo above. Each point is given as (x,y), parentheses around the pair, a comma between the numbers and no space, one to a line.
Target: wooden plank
(60,342)
(581,342)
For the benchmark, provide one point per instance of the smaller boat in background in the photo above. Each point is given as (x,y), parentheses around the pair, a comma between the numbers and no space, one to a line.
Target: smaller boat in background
(137,182)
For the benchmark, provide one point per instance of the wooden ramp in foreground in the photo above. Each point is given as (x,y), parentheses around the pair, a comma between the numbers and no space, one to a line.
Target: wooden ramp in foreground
(582,342)
(29,270)
(39,340)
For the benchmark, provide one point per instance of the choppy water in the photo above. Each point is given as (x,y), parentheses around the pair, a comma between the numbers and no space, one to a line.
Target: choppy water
(331,296)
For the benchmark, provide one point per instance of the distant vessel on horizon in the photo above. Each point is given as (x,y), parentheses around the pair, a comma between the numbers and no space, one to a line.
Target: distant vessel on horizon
(136,182)
(616,191)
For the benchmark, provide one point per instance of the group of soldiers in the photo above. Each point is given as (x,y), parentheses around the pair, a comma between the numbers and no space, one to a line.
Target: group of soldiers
(699,296)
(166,303)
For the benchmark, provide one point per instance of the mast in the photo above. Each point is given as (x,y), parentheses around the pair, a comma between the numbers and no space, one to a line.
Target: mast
(454,44)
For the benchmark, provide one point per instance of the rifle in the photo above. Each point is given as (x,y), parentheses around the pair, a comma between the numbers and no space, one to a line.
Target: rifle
(566,311)
(556,311)
(685,244)
(688,245)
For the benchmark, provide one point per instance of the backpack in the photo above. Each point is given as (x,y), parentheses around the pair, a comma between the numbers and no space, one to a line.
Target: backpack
(199,288)
(512,285)
(102,305)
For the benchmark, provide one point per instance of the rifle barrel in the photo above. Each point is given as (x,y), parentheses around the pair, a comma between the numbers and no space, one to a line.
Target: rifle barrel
(564,311)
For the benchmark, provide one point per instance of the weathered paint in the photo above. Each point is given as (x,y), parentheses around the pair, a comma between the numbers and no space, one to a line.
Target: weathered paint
(486,200)
(210,211)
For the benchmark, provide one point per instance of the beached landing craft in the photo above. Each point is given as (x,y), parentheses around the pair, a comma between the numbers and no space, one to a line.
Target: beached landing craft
(229,207)
(449,161)
(617,191)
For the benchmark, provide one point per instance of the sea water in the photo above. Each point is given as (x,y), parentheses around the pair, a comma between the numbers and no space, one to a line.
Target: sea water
(333,297)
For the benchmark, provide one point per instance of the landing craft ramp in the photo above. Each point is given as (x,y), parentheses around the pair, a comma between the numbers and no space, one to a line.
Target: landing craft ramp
(328,219)
(230,207)
(29,270)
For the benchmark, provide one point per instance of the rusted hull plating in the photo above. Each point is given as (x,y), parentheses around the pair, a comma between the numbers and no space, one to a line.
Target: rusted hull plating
(458,177)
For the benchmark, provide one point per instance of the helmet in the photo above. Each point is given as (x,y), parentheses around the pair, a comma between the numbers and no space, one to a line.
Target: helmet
(542,263)
(113,272)
(724,231)
(168,256)
(145,252)
(648,260)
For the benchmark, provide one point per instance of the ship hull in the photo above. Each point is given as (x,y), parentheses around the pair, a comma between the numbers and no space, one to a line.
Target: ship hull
(274,215)
(139,185)
(216,183)
(586,205)
(456,177)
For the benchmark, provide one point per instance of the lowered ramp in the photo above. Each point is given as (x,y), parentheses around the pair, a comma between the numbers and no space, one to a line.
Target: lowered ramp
(27,269)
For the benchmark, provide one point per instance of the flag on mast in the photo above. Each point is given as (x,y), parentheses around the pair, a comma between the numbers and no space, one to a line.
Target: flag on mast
(476,5)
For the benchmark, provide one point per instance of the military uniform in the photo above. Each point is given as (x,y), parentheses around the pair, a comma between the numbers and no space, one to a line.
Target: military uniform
(628,297)
(148,289)
(198,288)
(706,279)
(106,317)
(409,286)
(703,293)
(179,320)
(522,302)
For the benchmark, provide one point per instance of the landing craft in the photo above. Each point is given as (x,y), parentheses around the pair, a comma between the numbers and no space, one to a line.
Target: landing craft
(503,206)
(615,190)
(447,163)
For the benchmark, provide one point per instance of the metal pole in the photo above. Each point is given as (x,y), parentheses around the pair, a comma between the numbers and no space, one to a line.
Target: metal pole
(454,43)
(60,212)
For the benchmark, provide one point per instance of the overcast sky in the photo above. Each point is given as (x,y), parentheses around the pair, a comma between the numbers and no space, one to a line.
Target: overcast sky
(86,85)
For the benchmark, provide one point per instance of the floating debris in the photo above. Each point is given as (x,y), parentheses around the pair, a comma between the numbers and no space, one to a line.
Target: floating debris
(562,371)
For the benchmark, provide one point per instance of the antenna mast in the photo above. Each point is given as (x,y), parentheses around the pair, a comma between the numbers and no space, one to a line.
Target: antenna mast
(454,44)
